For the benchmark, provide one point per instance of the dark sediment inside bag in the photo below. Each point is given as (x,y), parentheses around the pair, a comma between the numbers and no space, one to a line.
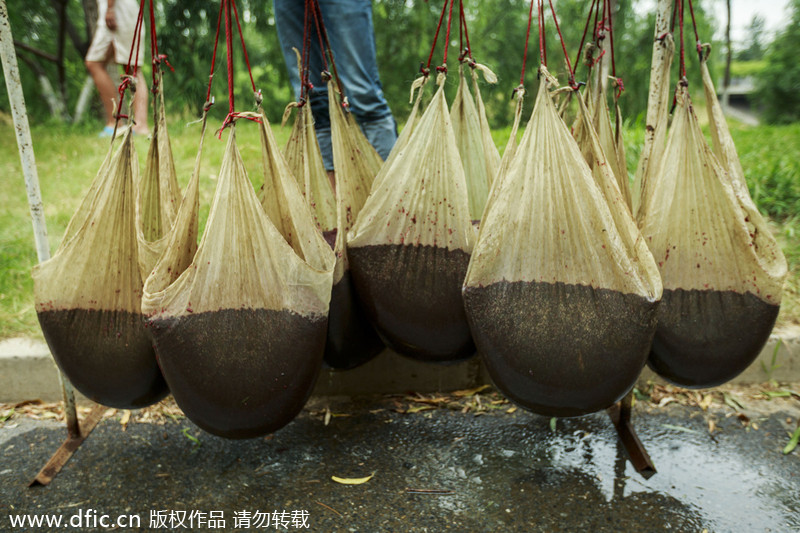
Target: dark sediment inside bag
(330,237)
(426,323)
(560,349)
(107,355)
(706,338)
(230,370)
(351,340)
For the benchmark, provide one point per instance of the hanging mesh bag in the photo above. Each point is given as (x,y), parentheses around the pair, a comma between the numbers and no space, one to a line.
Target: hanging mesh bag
(561,290)
(305,161)
(240,332)
(723,271)
(480,161)
(410,245)
(88,295)
(159,193)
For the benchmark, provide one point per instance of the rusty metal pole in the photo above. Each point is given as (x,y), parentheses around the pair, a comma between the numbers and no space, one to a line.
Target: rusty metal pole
(26,156)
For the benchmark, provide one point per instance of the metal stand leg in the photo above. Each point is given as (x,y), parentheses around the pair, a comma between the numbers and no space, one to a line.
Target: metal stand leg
(70,445)
(25,145)
(620,415)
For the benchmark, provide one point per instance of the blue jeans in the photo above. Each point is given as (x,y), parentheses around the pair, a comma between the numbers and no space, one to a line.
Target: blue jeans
(349,27)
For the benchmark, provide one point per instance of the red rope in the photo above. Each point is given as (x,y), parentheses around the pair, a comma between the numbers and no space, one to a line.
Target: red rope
(696,35)
(214,56)
(585,30)
(680,22)
(305,84)
(229,53)
(542,41)
(527,38)
(460,29)
(427,68)
(443,66)
(468,50)
(317,16)
(128,74)
(563,47)
(244,48)
(330,50)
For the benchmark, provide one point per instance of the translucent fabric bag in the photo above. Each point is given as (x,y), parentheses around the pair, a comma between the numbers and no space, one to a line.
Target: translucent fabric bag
(240,333)
(88,295)
(410,245)
(479,159)
(305,162)
(159,193)
(561,290)
(723,272)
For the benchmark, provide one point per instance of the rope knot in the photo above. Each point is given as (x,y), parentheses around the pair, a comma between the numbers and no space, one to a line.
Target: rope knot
(326,76)
(442,69)
(162,58)
(424,71)
(620,86)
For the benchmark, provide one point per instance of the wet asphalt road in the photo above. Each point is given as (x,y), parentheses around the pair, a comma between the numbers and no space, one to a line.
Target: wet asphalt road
(496,472)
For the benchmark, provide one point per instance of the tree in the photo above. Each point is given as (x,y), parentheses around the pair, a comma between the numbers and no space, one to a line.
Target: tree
(780,80)
(755,47)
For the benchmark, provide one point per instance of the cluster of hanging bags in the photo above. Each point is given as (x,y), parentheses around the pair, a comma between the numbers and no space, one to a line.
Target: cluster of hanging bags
(536,258)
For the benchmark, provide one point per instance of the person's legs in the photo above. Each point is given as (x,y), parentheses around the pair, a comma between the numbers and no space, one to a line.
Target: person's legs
(99,54)
(140,105)
(349,26)
(105,87)
(127,12)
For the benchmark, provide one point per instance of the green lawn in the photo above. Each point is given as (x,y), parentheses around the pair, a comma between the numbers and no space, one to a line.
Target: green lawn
(68,159)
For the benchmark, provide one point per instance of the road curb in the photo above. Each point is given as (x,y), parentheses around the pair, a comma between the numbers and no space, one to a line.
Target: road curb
(27,372)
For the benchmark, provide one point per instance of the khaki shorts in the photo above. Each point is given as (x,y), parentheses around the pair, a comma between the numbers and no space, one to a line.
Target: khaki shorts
(126,12)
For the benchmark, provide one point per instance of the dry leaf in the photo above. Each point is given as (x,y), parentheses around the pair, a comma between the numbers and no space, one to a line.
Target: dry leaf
(470,392)
(418,408)
(352,481)
(667,400)
(705,403)
(124,419)
(327,418)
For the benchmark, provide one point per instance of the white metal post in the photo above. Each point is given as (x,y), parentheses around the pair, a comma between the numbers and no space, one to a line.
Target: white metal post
(26,156)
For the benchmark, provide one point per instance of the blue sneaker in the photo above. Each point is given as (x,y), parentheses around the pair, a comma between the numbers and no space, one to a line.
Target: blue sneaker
(108,131)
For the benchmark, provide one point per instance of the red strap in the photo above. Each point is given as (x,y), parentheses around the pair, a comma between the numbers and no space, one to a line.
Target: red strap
(585,30)
(527,37)
(214,56)
(443,66)
(564,48)
(427,68)
(244,48)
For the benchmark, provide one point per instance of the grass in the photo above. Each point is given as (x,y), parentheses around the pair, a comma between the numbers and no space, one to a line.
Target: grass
(67,160)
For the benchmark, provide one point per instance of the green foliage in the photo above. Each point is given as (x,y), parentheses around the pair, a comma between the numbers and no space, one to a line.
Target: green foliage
(755,47)
(770,156)
(744,69)
(778,92)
